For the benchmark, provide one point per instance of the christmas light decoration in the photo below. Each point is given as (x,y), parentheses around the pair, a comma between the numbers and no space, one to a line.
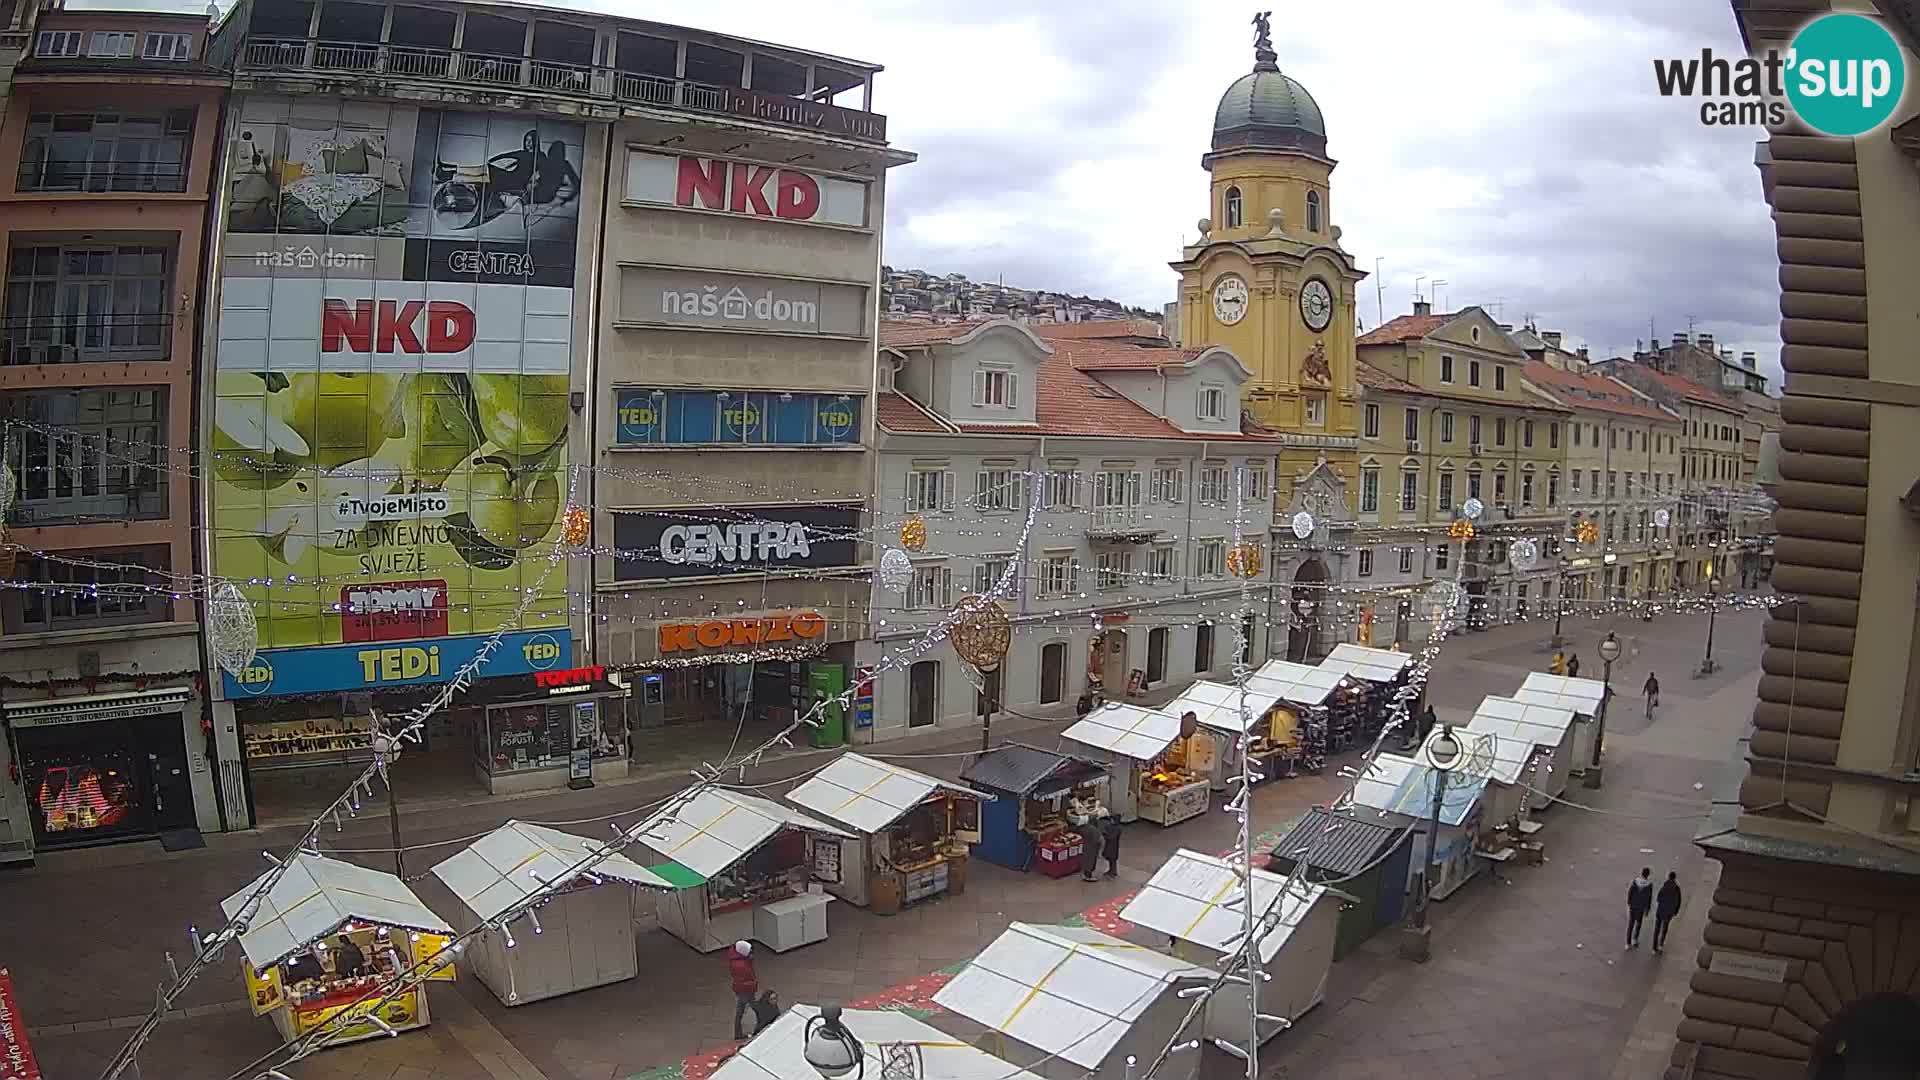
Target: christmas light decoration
(982,633)
(1244,560)
(1303,525)
(577,531)
(233,636)
(1460,530)
(913,534)
(896,570)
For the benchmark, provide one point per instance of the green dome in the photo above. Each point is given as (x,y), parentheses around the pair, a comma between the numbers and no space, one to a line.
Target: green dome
(1265,108)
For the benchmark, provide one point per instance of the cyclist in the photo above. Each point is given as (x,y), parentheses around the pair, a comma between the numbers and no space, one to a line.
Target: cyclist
(1652,690)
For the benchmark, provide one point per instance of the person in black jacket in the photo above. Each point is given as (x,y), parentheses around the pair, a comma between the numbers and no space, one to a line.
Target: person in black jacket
(1110,844)
(1639,899)
(1666,904)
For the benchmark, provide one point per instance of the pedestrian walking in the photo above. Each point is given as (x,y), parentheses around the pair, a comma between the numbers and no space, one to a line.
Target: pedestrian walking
(1573,665)
(1652,690)
(746,983)
(1110,845)
(1666,904)
(1639,899)
(1559,664)
(1090,841)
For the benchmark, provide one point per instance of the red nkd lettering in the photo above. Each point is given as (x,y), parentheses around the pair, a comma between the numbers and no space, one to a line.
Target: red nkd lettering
(705,181)
(797,198)
(739,188)
(390,326)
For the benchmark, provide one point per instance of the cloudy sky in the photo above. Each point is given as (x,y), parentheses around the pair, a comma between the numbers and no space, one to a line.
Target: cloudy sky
(1516,149)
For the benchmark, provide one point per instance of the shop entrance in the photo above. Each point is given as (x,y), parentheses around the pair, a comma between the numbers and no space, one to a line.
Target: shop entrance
(1157,655)
(1053,673)
(1876,1037)
(1309,593)
(92,782)
(923,689)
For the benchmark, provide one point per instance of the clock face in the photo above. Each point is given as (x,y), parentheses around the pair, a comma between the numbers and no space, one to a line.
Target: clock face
(1316,304)
(1230,300)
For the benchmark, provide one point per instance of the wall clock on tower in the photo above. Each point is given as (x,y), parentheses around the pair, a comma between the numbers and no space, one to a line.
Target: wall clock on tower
(1316,304)
(1230,299)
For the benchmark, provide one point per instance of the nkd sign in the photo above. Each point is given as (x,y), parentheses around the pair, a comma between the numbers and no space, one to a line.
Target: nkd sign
(745,188)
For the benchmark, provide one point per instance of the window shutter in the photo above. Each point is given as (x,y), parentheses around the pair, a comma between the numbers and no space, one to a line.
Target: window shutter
(946,586)
(912,496)
(946,490)
(1133,488)
(979,387)
(982,493)
(1013,390)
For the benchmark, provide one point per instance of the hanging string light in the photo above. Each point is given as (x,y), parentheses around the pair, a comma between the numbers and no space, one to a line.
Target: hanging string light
(233,635)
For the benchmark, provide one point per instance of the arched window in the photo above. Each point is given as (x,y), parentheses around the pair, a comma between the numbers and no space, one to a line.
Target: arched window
(1313,211)
(1233,208)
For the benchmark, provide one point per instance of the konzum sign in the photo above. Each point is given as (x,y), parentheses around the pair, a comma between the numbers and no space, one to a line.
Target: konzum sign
(785,628)
(749,189)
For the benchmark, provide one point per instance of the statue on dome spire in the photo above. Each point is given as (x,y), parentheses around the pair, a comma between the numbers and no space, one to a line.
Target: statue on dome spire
(1265,59)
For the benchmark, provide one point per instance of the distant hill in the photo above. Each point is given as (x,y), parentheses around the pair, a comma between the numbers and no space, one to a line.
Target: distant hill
(908,294)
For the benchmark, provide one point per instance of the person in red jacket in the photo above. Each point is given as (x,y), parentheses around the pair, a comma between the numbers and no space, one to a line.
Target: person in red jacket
(746,983)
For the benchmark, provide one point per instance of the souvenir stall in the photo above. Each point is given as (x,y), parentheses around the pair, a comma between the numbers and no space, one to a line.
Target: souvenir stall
(1378,673)
(1040,800)
(1184,900)
(1301,728)
(1579,696)
(911,831)
(1548,728)
(1216,707)
(1400,790)
(742,868)
(582,937)
(1160,763)
(780,1051)
(1071,1002)
(297,962)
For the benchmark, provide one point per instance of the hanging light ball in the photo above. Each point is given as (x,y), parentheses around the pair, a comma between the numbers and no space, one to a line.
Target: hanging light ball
(578,527)
(896,570)
(1524,554)
(1660,516)
(913,534)
(1439,598)
(982,633)
(1461,529)
(1473,508)
(1243,560)
(1303,525)
(232,634)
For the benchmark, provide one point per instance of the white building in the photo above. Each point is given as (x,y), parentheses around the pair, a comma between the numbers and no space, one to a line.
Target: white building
(1135,447)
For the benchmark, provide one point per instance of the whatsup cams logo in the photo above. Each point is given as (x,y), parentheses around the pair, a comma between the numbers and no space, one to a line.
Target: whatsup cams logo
(1841,75)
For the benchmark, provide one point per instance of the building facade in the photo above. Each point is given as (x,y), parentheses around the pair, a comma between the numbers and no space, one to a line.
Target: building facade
(1807,965)
(107,151)
(1125,588)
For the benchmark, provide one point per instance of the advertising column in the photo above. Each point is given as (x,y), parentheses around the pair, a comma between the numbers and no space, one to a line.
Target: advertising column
(390,423)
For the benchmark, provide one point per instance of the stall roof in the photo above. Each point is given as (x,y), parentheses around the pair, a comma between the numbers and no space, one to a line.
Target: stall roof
(1217,705)
(1337,845)
(718,828)
(1186,899)
(1302,684)
(1069,991)
(1545,725)
(507,865)
(1127,730)
(1562,692)
(779,1052)
(1362,662)
(1027,770)
(1401,785)
(1489,755)
(316,896)
(869,795)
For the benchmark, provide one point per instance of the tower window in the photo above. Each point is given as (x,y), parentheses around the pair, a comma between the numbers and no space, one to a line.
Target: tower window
(1233,208)
(1313,211)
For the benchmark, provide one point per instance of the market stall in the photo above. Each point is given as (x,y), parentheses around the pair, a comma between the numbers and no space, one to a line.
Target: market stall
(1503,764)
(1072,1002)
(884,1035)
(911,831)
(550,729)
(1160,762)
(1579,696)
(742,868)
(1041,800)
(582,937)
(1547,728)
(1379,673)
(325,937)
(1216,707)
(1300,729)
(1400,789)
(1365,856)
(1186,899)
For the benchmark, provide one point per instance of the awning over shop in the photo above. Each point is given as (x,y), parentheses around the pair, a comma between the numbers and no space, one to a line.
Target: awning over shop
(1562,692)
(1217,705)
(1302,684)
(1362,662)
(868,795)
(1186,898)
(717,828)
(317,896)
(1069,991)
(1401,785)
(504,867)
(84,708)
(1127,730)
(779,1052)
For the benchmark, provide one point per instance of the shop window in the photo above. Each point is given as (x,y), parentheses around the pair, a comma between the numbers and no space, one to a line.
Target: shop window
(87,456)
(1053,673)
(70,592)
(1203,648)
(923,693)
(1157,655)
(87,304)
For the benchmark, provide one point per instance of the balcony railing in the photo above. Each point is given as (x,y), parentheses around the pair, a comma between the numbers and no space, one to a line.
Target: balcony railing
(1120,521)
(78,176)
(89,339)
(554,77)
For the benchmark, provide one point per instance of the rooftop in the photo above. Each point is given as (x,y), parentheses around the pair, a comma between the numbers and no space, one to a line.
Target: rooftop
(1582,390)
(1139,329)
(1404,328)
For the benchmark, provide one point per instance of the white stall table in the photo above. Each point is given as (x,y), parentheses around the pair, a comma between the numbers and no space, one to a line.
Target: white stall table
(1550,728)
(793,922)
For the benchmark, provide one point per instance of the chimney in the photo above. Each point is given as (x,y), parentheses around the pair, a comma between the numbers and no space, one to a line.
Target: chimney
(1422,307)
(1705,342)
(1748,361)
(1679,340)
(1551,337)
(1583,354)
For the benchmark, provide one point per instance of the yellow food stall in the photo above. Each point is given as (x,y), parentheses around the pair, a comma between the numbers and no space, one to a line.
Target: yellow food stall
(325,938)
(1162,762)
(911,831)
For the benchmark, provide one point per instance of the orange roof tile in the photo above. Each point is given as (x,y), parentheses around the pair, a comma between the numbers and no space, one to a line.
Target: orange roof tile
(1099,328)
(1404,328)
(897,412)
(1687,388)
(1373,378)
(1581,390)
(906,335)
(1069,403)
(1106,355)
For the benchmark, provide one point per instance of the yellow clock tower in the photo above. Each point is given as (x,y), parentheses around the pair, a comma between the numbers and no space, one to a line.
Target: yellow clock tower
(1268,278)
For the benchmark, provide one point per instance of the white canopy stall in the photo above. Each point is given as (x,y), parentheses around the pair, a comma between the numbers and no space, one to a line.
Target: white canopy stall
(296,969)
(1548,727)
(1186,900)
(1298,728)
(1160,769)
(1581,696)
(1381,671)
(581,938)
(779,1052)
(911,830)
(742,867)
(1403,788)
(1217,708)
(1072,1002)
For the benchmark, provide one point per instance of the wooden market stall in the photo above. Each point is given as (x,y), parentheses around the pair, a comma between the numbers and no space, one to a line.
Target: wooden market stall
(1379,674)
(1299,731)
(1400,789)
(1366,856)
(1579,696)
(296,964)
(581,938)
(1185,899)
(1548,728)
(742,868)
(1502,765)
(1041,799)
(779,1052)
(1072,1002)
(1160,763)
(1216,709)
(911,831)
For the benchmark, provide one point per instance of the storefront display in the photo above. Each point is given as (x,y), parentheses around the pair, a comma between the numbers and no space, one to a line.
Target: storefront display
(534,726)
(765,853)
(911,831)
(102,767)
(1041,801)
(1160,760)
(1379,674)
(296,744)
(324,940)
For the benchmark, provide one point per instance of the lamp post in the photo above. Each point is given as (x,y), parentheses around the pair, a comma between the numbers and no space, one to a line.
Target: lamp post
(1441,753)
(1559,604)
(1609,652)
(830,1048)
(1708,666)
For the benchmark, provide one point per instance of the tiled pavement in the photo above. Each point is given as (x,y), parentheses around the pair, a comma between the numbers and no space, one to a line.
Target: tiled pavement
(1528,978)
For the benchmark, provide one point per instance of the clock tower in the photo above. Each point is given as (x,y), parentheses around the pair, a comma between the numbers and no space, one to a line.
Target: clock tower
(1268,278)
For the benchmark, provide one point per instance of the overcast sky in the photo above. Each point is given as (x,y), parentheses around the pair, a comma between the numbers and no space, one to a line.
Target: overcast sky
(1515,148)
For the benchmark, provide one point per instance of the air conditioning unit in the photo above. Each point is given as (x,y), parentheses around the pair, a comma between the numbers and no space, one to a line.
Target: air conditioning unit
(1474,449)
(1413,446)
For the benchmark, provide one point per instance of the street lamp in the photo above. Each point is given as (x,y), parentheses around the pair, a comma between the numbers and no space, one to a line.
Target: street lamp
(1609,652)
(830,1048)
(1708,666)
(1442,754)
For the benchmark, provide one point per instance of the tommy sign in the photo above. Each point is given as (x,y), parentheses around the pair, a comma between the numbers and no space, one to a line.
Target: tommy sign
(701,543)
(740,302)
(748,189)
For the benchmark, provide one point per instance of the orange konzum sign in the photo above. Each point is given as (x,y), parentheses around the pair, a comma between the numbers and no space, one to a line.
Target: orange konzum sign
(768,630)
